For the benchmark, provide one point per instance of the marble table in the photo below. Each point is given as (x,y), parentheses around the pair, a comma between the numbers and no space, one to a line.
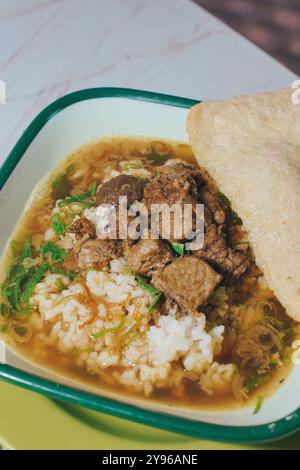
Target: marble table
(52,47)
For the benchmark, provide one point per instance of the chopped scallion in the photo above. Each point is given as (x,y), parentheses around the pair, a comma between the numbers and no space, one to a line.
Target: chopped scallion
(255,382)
(55,251)
(33,282)
(143,284)
(259,402)
(106,331)
(155,301)
(179,248)
(60,285)
(68,274)
(58,226)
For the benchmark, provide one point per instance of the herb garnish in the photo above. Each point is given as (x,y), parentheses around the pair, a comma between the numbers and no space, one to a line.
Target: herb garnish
(179,248)
(58,226)
(143,284)
(84,199)
(259,402)
(255,382)
(50,250)
(231,214)
(27,269)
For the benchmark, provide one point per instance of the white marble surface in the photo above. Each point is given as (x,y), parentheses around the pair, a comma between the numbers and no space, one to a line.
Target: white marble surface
(51,47)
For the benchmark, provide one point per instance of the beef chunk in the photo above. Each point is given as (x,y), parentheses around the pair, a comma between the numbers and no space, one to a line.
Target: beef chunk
(149,255)
(122,185)
(97,252)
(172,184)
(184,171)
(216,252)
(188,280)
(83,226)
(177,184)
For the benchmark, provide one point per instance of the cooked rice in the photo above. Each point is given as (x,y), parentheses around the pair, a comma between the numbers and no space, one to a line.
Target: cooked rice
(141,350)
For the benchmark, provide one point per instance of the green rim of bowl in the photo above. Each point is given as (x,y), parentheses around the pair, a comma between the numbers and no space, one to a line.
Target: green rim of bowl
(260,433)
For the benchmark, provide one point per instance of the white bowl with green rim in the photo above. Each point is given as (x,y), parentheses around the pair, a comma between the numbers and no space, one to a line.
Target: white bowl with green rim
(61,128)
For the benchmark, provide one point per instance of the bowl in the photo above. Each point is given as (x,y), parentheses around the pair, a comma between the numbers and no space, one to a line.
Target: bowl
(62,127)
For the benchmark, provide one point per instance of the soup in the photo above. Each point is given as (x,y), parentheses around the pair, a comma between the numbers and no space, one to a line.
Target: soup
(143,314)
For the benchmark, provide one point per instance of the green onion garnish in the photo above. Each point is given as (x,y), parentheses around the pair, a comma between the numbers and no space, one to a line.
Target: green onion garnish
(259,402)
(179,248)
(255,382)
(106,331)
(33,282)
(155,301)
(68,274)
(60,286)
(55,251)
(58,226)
(143,284)
(85,199)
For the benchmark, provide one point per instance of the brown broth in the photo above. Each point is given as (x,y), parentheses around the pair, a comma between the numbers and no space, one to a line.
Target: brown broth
(189,397)
(90,163)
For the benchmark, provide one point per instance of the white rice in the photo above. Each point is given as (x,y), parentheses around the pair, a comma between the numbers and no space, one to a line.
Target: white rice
(151,355)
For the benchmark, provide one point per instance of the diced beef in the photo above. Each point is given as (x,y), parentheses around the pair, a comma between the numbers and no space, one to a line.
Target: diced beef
(122,185)
(172,184)
(177,184)
(83,226)
(216,252)
(97,252)
(184,171)
(149,255)
(91,253)
(188,280)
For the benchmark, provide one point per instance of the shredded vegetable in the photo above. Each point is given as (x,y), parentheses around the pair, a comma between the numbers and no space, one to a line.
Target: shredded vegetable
(179,248)
(63,272)
(52,250)
(259,402)
(154,303)
(58,226)
(24,273)
(33,282)
(143,284)
(86,199)
(60,286)
(254,382)
(106,331)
